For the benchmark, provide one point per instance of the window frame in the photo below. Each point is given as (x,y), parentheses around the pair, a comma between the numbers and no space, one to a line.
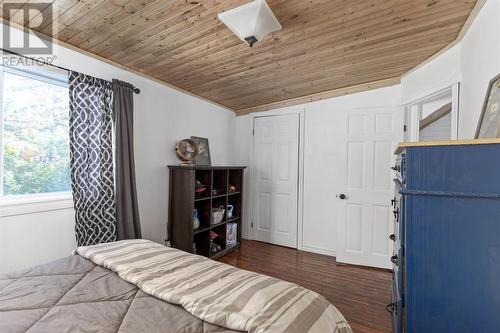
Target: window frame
(38,202)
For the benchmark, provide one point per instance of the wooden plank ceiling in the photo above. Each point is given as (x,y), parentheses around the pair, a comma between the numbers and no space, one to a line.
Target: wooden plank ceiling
(324,45)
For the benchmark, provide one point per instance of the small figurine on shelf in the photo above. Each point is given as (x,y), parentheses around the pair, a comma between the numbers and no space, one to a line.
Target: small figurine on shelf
(229,212)
(196,220)
(231,188)
(199,188)
(214,247)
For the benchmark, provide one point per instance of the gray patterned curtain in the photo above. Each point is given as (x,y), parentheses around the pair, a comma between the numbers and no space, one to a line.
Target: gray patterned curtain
(91,148)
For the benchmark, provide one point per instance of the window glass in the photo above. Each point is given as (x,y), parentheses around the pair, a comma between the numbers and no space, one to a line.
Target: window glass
(35,136)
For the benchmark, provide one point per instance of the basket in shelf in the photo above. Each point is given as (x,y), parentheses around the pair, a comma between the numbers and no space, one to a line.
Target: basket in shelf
(218,215)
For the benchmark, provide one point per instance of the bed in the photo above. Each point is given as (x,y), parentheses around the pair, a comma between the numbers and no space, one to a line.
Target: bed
(141,286)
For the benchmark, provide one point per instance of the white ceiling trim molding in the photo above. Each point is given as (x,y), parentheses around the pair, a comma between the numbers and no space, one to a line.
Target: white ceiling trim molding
(322,96)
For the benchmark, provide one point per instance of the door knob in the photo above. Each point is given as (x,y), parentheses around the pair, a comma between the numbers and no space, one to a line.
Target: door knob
(342,196)
(392,237)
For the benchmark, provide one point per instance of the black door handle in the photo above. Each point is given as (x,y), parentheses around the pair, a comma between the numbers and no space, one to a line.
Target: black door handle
(342,196)
(394,259)
(392,237)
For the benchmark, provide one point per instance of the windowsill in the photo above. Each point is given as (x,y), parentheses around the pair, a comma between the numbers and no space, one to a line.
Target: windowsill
(35,204)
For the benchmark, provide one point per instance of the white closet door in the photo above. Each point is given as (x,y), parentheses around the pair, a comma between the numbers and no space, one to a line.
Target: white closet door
(367,139)
(276,159)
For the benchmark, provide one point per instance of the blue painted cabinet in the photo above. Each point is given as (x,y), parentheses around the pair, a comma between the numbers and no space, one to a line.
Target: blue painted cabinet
(447,239)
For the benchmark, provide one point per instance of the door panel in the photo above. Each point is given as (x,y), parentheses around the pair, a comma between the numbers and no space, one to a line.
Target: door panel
(381,229)
(382,166)
(276,158)
(355,161)
(355,227)
(264,206)
(366,140)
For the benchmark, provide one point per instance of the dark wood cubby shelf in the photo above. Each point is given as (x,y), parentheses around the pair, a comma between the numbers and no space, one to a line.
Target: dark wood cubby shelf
(183,200)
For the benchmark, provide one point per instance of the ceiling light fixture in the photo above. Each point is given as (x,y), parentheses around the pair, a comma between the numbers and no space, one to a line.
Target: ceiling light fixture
(251,22)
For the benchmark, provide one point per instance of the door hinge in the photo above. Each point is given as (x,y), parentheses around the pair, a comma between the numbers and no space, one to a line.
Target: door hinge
(253,132)
(404,128)
(251,224)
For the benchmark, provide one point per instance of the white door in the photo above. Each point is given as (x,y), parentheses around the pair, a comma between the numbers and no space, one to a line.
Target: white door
(367,140)
(275,179)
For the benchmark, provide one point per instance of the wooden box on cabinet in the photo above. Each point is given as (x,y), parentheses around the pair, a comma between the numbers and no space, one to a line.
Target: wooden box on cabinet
(183,200)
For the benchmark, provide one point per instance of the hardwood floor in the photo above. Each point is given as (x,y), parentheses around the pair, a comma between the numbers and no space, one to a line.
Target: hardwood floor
(361,294)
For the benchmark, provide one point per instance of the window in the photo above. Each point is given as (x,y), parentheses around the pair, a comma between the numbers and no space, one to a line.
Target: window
(35,133)
(433,117)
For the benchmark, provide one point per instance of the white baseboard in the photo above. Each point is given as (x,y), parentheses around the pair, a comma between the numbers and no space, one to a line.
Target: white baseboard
(246,236)
(313,249)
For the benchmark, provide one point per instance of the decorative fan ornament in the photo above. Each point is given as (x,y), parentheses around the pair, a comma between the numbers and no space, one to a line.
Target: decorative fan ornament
(186,151)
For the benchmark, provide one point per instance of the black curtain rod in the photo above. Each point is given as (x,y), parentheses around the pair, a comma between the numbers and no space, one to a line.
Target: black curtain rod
(43,62)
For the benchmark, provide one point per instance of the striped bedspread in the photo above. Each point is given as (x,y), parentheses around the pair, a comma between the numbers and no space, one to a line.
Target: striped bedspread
(218,293)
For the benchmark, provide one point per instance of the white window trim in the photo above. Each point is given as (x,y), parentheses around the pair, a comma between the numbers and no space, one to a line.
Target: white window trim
(33,203)
(413,112)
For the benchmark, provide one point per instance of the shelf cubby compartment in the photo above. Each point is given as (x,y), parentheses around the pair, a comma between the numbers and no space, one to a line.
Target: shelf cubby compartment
(219,202)
(235,201)
(219,184)
(201,242)
(205,178)
(204,209)
(220,240)
(235,178)
(232,233)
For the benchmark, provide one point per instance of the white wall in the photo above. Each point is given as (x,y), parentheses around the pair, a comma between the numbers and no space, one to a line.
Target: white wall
(473,62)
(27,240)
(436,75)
(162,117)
(480,62)
(319,228)
(242,153)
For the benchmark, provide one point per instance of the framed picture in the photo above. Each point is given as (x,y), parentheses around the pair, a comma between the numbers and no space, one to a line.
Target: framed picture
(203,157)
(489,123)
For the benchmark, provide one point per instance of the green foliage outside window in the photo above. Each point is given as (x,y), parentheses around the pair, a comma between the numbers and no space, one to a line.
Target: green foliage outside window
(35,136)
